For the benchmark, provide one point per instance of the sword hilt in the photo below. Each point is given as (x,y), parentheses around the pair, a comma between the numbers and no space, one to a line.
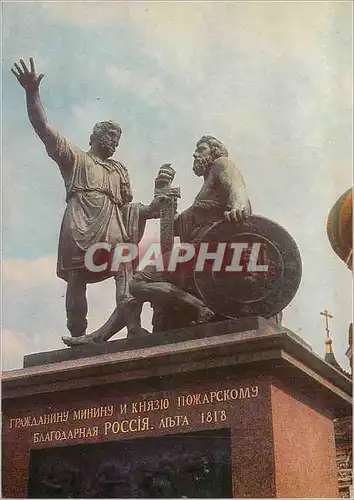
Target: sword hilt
(174,192)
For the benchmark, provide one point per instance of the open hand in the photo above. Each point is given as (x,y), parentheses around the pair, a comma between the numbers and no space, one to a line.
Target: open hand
(237,214)
(27,78)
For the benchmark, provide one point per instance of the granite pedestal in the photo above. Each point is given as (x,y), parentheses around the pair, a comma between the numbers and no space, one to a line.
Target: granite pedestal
(240,408)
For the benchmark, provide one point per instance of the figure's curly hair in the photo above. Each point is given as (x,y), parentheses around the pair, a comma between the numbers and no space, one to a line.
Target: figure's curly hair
(101,127)
(217,148)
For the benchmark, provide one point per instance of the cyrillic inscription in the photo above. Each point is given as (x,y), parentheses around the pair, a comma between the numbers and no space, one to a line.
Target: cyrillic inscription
(93,412)
(133,415)
(79,433)
(150,405)
(124,426)
(175,421)
(223,395)
(49,418)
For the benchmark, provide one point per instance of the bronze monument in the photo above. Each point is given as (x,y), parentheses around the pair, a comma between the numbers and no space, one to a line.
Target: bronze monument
(100,210)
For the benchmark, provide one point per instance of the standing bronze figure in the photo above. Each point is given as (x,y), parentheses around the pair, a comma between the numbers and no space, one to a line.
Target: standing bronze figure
(99,207)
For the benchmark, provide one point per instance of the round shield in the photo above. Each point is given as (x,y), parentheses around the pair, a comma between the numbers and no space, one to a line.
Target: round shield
(257,270)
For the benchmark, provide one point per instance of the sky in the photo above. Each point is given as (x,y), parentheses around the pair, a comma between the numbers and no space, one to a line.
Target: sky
(272,80)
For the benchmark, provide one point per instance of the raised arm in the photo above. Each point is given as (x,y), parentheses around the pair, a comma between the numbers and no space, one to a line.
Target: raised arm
(30,81)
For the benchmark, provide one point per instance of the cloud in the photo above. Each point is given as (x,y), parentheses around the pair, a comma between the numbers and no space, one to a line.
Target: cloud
(185,31)
(126,80)
(119,77)
(22,274)
(13,349)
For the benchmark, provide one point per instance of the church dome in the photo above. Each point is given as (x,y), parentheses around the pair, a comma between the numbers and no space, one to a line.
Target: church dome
(339,227)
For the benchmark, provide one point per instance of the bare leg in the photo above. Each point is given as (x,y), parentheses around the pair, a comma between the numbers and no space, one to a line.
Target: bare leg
(164,292)
(113,325)
(127,313)
(76,304)
(132,307)
(115,322)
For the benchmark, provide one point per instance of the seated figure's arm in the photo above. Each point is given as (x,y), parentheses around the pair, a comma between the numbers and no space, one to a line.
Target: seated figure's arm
(233,189)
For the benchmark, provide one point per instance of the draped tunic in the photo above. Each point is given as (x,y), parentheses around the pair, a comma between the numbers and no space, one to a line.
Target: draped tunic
(99,207)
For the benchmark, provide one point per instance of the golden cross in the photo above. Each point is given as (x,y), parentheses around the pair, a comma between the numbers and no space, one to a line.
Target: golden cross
(326,314)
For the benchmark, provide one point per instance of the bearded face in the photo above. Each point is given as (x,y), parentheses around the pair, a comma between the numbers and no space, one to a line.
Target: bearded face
(202,164)
(203,159)
(107,142)
(106,147)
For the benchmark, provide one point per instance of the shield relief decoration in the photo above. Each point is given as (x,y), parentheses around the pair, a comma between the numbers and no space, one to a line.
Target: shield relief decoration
(260,270)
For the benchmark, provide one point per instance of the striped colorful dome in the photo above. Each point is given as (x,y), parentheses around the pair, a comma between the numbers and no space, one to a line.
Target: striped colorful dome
(339,227)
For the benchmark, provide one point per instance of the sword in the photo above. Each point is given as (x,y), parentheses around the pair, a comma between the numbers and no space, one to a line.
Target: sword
(163,183)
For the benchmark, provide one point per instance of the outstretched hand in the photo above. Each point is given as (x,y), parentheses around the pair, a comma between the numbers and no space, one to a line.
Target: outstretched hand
(26,77)
(160,202)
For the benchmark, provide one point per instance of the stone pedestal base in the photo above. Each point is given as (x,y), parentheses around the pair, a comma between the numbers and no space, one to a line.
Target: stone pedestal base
(246,411)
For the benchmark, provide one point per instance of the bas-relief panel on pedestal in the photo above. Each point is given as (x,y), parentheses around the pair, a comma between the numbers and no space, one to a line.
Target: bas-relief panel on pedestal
(192,465)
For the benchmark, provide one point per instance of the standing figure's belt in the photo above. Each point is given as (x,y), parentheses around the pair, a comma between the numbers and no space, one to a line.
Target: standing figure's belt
(108,193)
